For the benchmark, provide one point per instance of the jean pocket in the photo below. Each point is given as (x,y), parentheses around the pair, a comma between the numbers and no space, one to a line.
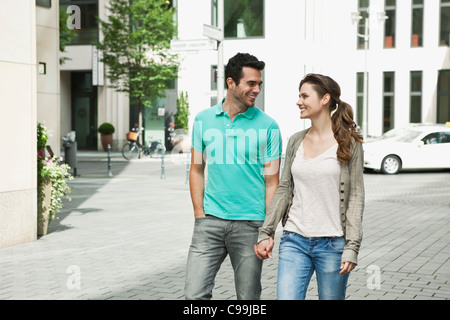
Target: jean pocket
(285,235)
(200,222)
(337,244)
(254,223)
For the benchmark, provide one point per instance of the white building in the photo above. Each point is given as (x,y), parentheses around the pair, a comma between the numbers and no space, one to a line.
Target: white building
(407,58)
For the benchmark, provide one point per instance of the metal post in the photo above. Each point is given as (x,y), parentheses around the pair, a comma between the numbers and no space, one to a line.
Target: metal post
(188,165)
(366,81)
(220,67)
(109,161)
(163,167)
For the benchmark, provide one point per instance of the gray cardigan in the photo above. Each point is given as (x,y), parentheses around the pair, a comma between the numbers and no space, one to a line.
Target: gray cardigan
(351,197)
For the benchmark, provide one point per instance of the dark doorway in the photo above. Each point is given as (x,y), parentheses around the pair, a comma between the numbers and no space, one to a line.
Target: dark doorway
(84,110)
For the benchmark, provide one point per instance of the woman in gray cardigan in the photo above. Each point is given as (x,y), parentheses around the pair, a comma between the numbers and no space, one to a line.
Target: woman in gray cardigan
(320,198)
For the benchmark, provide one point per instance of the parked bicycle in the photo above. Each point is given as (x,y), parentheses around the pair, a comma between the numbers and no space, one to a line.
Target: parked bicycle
(131,149)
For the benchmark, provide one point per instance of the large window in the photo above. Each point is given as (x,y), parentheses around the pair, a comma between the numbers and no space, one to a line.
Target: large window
(415,114)
(389,26)
(388,100)
(443,106)
(445,23)
(417,23)
(360,98)
(363,8)
(242,18)
(83,16)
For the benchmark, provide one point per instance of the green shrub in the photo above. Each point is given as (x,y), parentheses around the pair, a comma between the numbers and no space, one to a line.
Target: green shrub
(106,128)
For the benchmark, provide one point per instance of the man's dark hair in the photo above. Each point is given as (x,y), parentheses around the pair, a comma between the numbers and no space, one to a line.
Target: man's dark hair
(240,60)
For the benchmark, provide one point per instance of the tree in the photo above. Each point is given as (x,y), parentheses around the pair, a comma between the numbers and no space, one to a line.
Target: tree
(137,36)
(182,115)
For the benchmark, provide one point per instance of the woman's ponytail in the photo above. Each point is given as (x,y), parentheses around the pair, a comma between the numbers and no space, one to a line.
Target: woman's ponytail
(345,130)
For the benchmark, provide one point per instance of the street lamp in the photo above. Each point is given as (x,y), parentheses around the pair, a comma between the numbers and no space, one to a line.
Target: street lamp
(356,17)
(220,67)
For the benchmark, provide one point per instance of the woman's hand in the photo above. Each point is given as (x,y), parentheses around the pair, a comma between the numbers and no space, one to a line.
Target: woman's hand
(263,250)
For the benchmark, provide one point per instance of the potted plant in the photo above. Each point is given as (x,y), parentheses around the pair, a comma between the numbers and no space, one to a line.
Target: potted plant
(106,130)
(51,183)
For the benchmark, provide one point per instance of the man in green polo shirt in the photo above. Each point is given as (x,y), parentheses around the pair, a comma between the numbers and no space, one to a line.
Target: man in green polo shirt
(241,147)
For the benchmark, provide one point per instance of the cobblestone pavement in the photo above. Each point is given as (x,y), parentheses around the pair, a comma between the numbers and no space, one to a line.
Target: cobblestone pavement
(127,237)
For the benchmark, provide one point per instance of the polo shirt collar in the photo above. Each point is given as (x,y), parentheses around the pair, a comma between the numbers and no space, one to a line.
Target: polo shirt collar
(248,114)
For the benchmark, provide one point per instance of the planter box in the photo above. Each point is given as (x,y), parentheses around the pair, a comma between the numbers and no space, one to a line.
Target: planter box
(44,213)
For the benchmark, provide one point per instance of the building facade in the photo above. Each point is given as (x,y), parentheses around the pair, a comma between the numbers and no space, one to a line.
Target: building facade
(87,101)
(406,59)
(29,93)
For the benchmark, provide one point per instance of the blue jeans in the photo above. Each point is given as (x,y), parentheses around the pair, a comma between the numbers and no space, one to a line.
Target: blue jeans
(299,257)
(212,241)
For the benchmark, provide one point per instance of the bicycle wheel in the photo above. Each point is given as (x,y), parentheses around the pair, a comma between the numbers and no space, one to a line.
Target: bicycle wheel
(130,151)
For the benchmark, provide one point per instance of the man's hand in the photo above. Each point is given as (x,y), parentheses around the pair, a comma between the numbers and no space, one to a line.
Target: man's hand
(263,250)
(346,267)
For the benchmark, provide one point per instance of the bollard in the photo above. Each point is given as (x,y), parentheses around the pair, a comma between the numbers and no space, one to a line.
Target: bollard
(109,161)
(163,169)
(188,165)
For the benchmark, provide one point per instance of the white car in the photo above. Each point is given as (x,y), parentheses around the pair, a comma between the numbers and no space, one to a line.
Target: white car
(416,146)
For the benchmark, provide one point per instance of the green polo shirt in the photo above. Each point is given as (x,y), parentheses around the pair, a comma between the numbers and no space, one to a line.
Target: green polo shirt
(235,156)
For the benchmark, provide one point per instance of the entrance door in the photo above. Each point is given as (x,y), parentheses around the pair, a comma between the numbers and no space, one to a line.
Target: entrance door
(84,110)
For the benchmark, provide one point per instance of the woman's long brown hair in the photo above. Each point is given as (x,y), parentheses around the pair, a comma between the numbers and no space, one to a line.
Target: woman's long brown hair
(344,127)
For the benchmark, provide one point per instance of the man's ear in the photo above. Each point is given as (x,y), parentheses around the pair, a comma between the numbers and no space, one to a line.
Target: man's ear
(230,83)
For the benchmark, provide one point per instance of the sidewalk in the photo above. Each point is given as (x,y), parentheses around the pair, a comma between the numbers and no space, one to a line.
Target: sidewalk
(127,237)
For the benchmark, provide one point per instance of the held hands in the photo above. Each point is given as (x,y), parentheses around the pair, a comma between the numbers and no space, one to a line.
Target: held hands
(263,249)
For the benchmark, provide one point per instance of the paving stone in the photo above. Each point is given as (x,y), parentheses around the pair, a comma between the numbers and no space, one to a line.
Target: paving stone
(129,235)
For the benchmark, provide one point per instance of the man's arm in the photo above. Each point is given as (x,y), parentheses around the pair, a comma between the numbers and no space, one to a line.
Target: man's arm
(263,249)
(272,178)
(197,182)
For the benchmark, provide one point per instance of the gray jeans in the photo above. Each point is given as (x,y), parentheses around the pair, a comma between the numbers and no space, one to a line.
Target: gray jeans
(212,241)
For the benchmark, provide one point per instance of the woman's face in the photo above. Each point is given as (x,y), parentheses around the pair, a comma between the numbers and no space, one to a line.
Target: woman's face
(309,103)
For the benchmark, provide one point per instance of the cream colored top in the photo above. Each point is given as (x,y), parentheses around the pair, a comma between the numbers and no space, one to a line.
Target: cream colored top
(315,205)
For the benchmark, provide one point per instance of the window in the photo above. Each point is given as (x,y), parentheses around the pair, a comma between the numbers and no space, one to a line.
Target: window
(388,100)
(87,12)
(445,23)
(242,18)
(214,77)
(415,112)
(389,26)
(360,98)
(363,8)
(437,137)
(443,105)
(44,3)
(417,23)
